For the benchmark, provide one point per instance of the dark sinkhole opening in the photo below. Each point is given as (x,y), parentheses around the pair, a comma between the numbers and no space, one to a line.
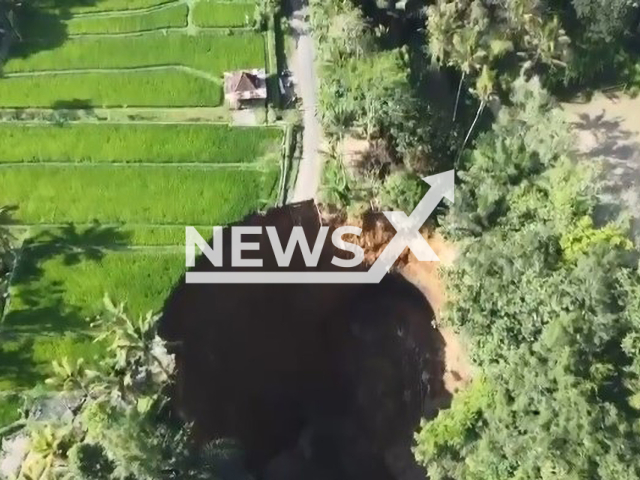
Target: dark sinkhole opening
(313,381)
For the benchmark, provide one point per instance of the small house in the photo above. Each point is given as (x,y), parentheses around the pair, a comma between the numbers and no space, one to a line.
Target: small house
(245,88)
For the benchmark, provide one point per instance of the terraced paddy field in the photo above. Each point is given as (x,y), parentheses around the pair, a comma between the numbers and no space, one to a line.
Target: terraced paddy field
(101,207)
(208,53)
(57,288)
(93,6)
(162,87)
(99,227)
(174,16)
(137,143)
(211,13)
(144,53)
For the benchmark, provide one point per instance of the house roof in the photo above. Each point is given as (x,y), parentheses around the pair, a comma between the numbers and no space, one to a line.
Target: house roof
(243,82)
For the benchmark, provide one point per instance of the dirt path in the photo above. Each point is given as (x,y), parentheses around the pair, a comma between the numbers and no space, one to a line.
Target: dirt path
(171,115)
(608,131)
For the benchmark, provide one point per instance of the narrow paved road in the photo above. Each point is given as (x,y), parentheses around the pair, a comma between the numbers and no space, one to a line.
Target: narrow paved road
(303,69)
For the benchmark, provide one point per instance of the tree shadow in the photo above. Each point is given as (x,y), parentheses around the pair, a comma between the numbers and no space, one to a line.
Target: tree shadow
(38,30)
(41,304)
(612,141)
(604,139)
(74,244)
(17,365)
(41,25)
(73,104)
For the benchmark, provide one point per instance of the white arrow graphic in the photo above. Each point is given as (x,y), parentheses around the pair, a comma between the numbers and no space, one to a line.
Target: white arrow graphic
(407,235)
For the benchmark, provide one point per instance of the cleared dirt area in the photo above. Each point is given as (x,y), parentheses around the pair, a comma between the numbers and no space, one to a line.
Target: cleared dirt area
(607,128)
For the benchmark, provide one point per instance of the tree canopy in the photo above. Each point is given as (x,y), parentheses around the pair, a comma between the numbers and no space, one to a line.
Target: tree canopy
(549,304)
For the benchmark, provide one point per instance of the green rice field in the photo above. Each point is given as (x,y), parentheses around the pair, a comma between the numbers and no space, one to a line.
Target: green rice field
(109,236)
(100,206)
(136,143)
(171,17)
(93,6)
(212,13)
(158,195)
(56,290)
(157,88)
(210,53)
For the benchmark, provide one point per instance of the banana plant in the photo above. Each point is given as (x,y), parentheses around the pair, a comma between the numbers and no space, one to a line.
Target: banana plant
(45,458)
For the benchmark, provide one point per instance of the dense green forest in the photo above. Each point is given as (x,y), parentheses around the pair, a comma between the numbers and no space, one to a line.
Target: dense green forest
(547,299)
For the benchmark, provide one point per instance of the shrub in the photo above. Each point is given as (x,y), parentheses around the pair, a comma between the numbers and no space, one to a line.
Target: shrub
(401,190)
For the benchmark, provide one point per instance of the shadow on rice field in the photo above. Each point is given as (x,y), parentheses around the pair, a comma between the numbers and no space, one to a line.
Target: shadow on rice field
(42,322)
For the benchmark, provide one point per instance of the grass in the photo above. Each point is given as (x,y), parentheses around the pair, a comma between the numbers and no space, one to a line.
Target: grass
(56,289)
(210,53)
(9,409)
(107,194)
(211,13)
(175,16)
(161,88)
(90,6)
(136,143)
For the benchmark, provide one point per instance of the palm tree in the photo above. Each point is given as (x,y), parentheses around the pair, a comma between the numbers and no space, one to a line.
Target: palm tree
(137,350)
(484,90)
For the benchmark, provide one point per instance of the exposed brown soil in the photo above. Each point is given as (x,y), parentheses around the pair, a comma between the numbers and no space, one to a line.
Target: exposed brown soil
(316,381)
(427,277)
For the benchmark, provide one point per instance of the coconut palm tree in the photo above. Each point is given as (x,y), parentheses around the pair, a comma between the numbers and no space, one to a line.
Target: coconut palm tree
(484,90)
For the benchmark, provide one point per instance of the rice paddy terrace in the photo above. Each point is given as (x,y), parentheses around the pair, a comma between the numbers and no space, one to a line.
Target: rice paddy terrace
(99,204)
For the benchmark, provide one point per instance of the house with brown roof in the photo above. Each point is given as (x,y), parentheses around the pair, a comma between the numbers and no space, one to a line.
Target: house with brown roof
(245,88)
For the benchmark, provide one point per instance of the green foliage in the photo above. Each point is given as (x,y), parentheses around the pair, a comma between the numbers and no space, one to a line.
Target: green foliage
(166,18)
(264,12)
(213,13)
(453,428)
(549,308)
(336,183)
(47,315)
(369,92)
(340,31)
(402,191)
(482,40)
(584,237)
(606,21)
(363,92)
(245,50)
(509,170)
(90,462)
(134,345)
(160,88)
(136,143)
(47,449)
(10,407)
(122,427)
